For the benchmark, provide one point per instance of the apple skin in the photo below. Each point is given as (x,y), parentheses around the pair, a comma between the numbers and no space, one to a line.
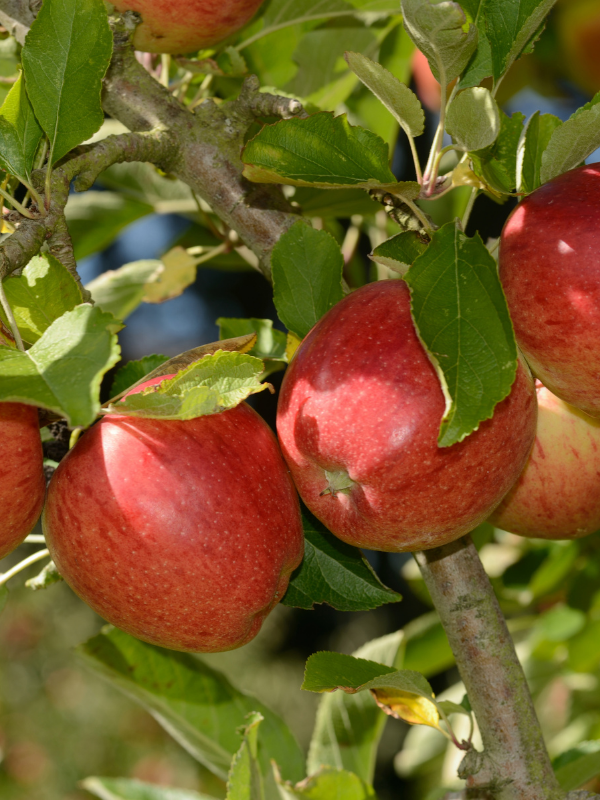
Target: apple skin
(182,26)
(362,399)
(558,493)
(22,482)
(181,533)
(549,266)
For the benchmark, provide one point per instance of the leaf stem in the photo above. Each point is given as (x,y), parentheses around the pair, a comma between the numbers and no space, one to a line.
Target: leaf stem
(14,328)
(23,565)
(468,209)
(413,150)
(16,205)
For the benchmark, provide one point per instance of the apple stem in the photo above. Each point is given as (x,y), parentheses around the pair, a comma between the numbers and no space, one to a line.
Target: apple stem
(23,565)
(515,763)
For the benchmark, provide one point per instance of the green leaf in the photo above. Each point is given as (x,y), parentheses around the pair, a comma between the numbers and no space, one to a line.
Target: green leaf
(66,53)
(40,295)
(134,371)
(572,142)
(497,165)
(326,203)
(584,655)
(535,138)
(399,252)
(577,766)
(448,707)
(197,705)
(328,784)
(95,219)
(427,647)
(270,342)
(480,66)
(245,780)
(559,624)
(442,33)
(403,104)
(63,370)
(554,569)
(12,159)
(122,290)
(25,135)
(125,789)
(326,672)
(510,25)
(307,276)
(348,727)
(473,119)
(212,384)
(335,573)
(321,150)
(462,318)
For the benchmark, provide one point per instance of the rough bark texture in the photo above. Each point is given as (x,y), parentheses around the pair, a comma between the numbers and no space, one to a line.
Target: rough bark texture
(515,763)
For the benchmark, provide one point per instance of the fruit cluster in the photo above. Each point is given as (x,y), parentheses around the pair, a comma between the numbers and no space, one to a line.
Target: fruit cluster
(185,533)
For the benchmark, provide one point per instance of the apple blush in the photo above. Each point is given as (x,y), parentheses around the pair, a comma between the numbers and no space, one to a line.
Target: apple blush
(358,420)
(550,269)
(183,26)
(182,533)
(22,482)
(558,493)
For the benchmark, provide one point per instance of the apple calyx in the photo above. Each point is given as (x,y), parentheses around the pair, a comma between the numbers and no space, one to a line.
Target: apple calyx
(337,481)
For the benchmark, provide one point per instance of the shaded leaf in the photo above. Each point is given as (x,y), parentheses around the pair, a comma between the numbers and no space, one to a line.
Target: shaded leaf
(270,343)
(121,291)
(326,672)
(135,371)
(321,150)
(399,252)
(328,784)
(335,573)
(307,267)
(462,318)
(572,142)
(245,781)
(480,66)
(26,134)
(40,295)
(578,766)
(473,119)
(497,164)
(66,53)
(536,135)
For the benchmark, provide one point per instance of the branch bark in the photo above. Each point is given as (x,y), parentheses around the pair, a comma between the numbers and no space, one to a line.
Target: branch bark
(515,764)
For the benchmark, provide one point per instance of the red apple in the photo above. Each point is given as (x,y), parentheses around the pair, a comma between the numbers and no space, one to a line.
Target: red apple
(550,270)
(182,26)
(358,421)
(558,493)
(22,482)
(182,533)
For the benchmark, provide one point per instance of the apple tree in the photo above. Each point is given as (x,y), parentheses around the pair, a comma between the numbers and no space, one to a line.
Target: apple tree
(407,413)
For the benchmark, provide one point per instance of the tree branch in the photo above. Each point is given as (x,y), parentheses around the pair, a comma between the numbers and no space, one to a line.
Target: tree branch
(515,764)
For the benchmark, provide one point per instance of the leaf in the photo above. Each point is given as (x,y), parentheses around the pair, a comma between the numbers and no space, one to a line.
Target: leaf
(334,572)
(442,33)
(49,575)
(177,273)
(497,165)
(25,134)
(403,104)
(427,648)
(122,290)
(96,218)
(448,707)
(480,66)
(510,26)
(328,784)
(135,371)
(577,766)
(572,142)
(307,270)
(460,312)
(66,53)
(245,781)
(63,370)
(534,140)
(12,159)
(399,252)
(348,727)
(213,384)
(327,203)
(321,150)
(195,704)
(270,343)
(40,295)
(125,789)
(326,672)
(473,119)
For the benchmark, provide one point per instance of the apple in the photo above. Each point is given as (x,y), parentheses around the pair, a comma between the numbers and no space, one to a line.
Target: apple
(182,26)
(577,26)
(358,421)
(22,482)
(558,493)
(182,533)
(549,266)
